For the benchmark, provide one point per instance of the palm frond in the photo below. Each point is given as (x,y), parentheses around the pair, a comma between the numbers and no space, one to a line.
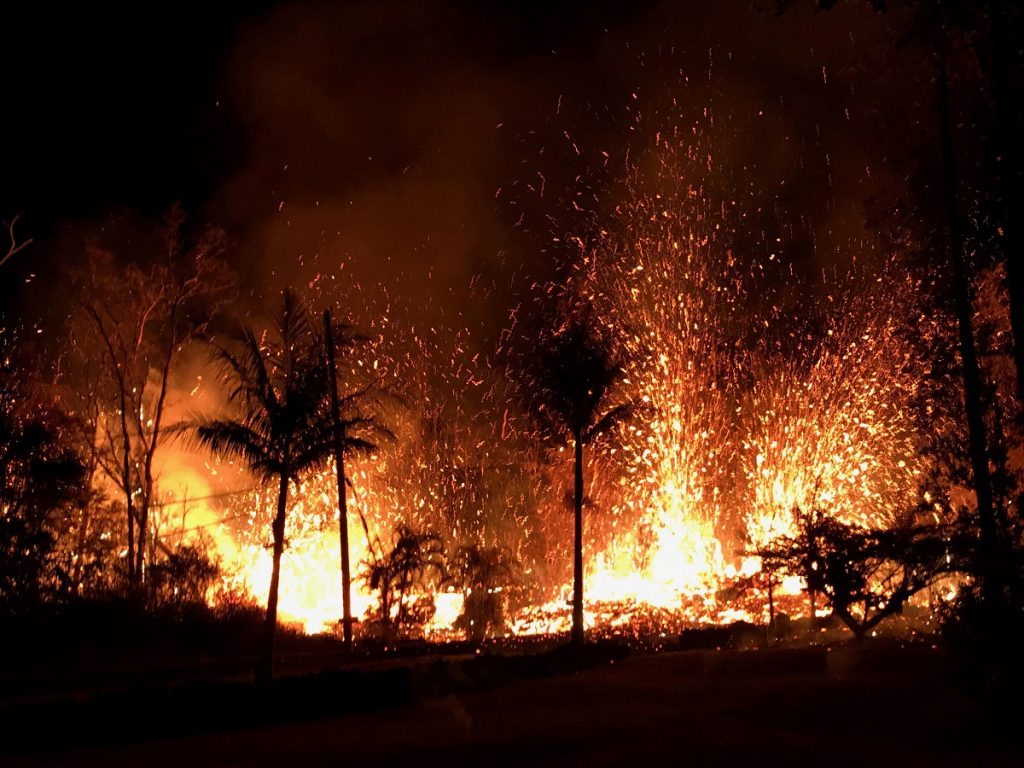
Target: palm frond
(611,419)
(234,439)
(571,377)
(366,428)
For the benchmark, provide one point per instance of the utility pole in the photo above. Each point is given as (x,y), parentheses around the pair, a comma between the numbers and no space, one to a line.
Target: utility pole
(339,463)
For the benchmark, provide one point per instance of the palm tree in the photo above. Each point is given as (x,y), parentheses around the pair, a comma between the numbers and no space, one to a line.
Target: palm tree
(281,426)
(415,562)
(483,574)
(354,431)
(573,378)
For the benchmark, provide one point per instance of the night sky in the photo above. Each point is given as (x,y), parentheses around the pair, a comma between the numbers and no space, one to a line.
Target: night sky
(409,140)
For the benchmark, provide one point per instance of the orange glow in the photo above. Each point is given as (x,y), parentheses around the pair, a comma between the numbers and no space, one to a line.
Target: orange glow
(748,416)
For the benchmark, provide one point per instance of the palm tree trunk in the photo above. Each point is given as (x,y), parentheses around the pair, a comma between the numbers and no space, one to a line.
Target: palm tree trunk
(577,555)
(339,463)
(265,668)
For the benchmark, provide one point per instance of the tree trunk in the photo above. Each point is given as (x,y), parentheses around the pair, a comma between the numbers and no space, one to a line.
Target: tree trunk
(860,632)
(973,405)
(577,553)
(141,543)
(385,607)
(1009,177)
(125,469)
(127,476)
(400,612)
(77,570)
(265,668)
(149,446)
(339,463)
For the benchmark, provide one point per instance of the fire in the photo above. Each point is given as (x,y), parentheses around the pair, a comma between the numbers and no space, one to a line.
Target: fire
(683,557)
(741,433)
(310,590)
(755,407)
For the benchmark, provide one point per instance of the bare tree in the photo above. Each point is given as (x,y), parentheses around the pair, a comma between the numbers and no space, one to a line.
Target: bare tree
(131,323)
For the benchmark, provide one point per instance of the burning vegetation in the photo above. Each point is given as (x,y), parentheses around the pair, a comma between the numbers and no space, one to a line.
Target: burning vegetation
(668,428)
(720,438)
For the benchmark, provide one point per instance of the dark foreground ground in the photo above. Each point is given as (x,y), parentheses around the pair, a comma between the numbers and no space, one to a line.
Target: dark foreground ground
(810,707)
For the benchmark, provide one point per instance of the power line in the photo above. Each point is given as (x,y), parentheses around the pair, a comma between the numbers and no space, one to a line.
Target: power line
(221,521)
(187,499)
(223,494)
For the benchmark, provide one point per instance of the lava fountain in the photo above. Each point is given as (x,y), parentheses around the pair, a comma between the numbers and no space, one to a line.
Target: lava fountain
(755,409)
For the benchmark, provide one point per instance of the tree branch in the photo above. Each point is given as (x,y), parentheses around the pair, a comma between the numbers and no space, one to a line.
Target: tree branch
(14,247)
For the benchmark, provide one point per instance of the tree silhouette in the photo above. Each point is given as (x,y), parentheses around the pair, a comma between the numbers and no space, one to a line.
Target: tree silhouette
(281,425)
(416,561)
(182,579)
(571,381)
(130,326)
(483,574)
(41,476)
(866,575)
(987,29)
(974,403)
